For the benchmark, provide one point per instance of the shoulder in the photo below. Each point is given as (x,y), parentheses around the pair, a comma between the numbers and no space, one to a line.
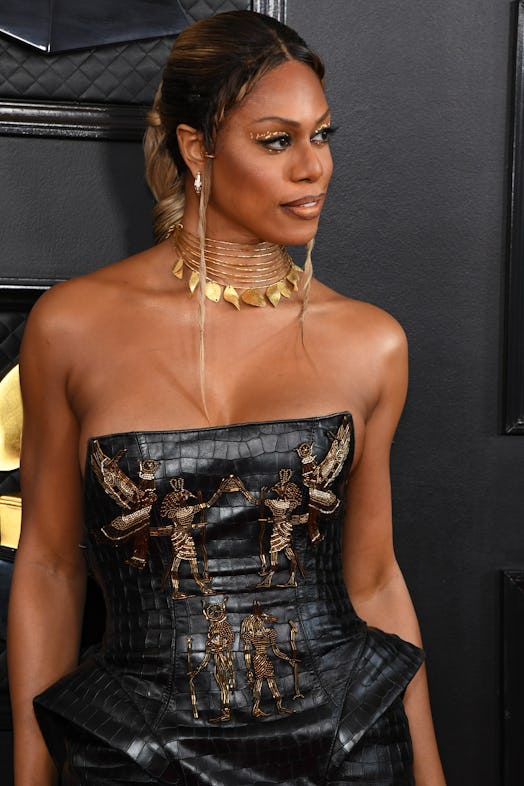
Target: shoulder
(79,302)
(82,309)
(359,346)
(356,322)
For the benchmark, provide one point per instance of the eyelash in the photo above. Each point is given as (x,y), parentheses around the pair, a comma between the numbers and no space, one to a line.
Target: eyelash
(327,131)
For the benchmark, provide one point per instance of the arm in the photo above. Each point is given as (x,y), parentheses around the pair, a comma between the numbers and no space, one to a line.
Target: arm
(374,579)
(47,593)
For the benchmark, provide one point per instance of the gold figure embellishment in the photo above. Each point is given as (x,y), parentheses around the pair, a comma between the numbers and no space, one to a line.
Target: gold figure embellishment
(190,676)
(319,476)
(258,637)
(293,641)
(177,506)
(136,499)
(219,647)
(288,498)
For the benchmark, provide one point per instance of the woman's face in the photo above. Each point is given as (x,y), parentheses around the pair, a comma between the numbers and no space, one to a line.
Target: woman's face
(272,162)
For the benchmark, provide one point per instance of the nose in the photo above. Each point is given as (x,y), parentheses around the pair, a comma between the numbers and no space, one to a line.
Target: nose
(308,163)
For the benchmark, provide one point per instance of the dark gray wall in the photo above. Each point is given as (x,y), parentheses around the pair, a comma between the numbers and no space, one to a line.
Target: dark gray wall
(69,206)
(415,223)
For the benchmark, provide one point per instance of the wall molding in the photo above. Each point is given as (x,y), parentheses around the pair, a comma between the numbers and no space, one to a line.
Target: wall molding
(77,120)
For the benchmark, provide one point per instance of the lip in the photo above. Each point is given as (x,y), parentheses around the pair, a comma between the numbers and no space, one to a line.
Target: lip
(307,201)
(308,207)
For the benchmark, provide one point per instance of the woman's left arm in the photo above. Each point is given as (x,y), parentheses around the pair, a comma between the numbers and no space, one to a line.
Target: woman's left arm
(375,582)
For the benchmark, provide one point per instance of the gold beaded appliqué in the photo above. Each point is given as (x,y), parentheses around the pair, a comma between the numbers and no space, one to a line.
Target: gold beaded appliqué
(260,647)
(260,641)
(185,512)
(219,649)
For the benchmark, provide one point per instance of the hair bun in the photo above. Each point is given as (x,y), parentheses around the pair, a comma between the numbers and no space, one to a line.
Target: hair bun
(153,118)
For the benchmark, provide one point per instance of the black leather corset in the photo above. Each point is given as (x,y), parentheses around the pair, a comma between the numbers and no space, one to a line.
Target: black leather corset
(228,621)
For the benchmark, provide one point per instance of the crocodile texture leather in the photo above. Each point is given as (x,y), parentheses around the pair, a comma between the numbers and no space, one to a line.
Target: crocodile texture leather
(222,663)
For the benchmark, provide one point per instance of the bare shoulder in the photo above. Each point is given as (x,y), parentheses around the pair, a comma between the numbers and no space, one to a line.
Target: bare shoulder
(69,307)
(351,322)
(70,323)
(361,347)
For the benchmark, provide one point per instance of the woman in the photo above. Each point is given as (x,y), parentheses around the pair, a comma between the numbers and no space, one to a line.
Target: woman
(214,503)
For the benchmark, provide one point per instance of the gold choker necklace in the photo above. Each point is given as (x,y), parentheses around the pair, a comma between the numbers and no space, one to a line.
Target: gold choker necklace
(250,272)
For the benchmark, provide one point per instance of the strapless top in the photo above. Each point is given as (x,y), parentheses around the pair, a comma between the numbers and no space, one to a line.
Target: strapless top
(231,645)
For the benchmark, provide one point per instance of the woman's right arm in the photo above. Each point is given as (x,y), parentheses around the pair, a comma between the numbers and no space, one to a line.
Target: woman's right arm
(48,588)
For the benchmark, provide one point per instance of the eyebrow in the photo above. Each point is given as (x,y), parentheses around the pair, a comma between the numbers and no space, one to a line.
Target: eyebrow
(287,121)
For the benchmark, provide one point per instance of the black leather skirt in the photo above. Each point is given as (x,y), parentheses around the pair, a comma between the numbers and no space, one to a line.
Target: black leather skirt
(383,757)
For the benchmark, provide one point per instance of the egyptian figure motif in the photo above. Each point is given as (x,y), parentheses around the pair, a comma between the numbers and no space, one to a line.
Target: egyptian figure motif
(259,637)
(136,499)
(276,507)
(177,506)
(219,647)
(319,476)
(288,498)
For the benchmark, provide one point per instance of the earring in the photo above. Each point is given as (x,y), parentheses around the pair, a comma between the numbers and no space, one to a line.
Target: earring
(198,183)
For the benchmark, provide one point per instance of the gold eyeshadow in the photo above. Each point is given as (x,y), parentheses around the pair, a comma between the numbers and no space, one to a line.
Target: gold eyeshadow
(267,137)
(264,135)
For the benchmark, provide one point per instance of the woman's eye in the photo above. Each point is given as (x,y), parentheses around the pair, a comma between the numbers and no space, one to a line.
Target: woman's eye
(321,136)
(279,142)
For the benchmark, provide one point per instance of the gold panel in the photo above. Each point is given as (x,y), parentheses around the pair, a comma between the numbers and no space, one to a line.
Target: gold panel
(10,520)
(10,421)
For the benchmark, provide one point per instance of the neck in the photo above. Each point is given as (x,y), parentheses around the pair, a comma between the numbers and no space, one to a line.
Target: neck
(255,272)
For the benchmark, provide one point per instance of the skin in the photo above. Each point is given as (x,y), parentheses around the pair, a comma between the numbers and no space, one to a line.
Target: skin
(118,350)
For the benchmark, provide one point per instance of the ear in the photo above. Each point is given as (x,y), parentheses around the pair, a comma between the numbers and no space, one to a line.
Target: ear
(191,146)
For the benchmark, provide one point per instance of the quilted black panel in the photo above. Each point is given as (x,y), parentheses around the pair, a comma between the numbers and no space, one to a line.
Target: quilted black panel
(198,9)
(11,329)
(123,73)
(13,315)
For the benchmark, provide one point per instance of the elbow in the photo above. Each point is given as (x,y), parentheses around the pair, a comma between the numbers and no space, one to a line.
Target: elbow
(49,567)
(364,586)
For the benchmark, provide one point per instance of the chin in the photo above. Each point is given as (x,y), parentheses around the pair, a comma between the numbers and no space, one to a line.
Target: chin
(299,238)
(297,235)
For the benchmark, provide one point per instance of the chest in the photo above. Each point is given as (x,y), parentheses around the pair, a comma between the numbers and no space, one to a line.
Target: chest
(145,371)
